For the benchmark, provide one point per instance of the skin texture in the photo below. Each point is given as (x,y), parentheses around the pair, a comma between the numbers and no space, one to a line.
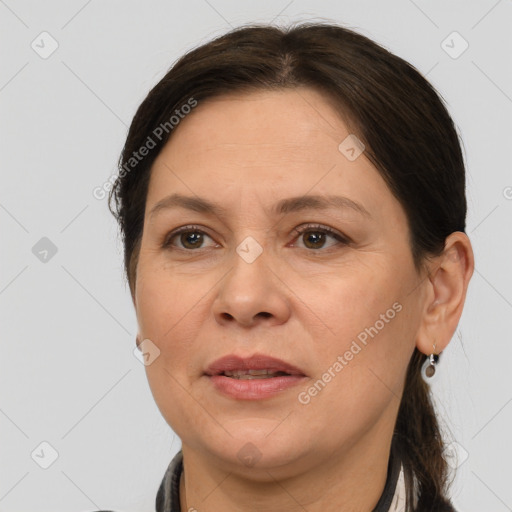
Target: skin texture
(302,300)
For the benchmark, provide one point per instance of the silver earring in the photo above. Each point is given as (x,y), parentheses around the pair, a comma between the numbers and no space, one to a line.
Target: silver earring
(428,370)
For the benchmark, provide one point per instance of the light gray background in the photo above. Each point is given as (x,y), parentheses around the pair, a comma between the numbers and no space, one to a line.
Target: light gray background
(68,374)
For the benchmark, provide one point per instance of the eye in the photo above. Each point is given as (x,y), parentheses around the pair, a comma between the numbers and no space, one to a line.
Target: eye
(317,235)
(191,237)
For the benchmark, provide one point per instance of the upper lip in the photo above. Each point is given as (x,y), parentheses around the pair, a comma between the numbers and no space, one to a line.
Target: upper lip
(255,362)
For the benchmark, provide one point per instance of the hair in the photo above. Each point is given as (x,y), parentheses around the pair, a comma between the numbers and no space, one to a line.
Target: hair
(408,135)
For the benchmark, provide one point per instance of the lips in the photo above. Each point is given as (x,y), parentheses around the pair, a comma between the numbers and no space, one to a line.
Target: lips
(258,377)
(257,366)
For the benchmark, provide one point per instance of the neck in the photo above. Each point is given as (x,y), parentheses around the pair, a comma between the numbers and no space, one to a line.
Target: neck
(348,480)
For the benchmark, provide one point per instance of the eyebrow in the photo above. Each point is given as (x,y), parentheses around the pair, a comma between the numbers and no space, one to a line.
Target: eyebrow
(291,204)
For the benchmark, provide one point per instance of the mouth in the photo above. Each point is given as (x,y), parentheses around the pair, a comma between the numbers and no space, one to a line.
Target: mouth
(254,374)
(256,377)
(257,366)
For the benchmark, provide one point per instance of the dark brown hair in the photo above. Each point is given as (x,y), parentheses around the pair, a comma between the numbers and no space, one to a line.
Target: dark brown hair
(408,135)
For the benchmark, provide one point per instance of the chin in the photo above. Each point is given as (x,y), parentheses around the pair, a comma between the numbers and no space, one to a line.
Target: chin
(256,448)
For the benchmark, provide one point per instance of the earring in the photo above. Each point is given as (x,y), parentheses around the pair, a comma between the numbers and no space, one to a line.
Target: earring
(428,370)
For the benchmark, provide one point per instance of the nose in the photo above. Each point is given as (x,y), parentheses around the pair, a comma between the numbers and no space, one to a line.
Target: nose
(252,293)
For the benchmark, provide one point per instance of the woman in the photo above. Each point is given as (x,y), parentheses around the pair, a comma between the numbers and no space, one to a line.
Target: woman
(292,205)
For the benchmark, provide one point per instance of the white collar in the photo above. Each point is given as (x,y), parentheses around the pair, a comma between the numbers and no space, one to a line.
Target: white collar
(398,503)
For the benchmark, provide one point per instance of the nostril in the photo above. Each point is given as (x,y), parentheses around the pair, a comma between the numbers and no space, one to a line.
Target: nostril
(228,316)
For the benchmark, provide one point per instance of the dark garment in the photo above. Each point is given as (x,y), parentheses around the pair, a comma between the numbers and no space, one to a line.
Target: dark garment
(168,496)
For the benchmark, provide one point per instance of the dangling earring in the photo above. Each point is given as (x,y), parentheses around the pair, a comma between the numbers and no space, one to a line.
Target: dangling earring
(428,370)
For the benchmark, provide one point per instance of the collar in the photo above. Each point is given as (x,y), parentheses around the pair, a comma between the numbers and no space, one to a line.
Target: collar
(391,500)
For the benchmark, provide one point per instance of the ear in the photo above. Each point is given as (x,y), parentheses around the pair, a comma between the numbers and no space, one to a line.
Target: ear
(446,288)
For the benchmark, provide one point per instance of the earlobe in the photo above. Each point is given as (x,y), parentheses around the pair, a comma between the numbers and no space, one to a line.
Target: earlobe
(448,283)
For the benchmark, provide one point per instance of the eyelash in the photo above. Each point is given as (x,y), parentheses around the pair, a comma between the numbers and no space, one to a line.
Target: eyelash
(297,231)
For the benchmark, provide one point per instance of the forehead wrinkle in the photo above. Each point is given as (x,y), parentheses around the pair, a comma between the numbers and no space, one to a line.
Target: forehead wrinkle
(284,206)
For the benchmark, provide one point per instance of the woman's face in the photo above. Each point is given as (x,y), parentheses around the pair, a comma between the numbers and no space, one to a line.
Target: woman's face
(342,308)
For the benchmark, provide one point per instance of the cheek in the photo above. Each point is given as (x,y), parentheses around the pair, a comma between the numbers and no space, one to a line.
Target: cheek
(351,303)
(162,299)
(360,371)
(367,336)
(168,313)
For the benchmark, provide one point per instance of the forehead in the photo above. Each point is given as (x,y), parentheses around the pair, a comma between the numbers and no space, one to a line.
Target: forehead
(284,118)
(264,144)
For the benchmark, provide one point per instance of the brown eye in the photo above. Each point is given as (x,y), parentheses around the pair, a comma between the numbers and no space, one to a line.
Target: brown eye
(315,237)
(191,239)
(188,238)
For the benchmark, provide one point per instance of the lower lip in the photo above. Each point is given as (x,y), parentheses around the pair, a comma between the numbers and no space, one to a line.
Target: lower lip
(254,389)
